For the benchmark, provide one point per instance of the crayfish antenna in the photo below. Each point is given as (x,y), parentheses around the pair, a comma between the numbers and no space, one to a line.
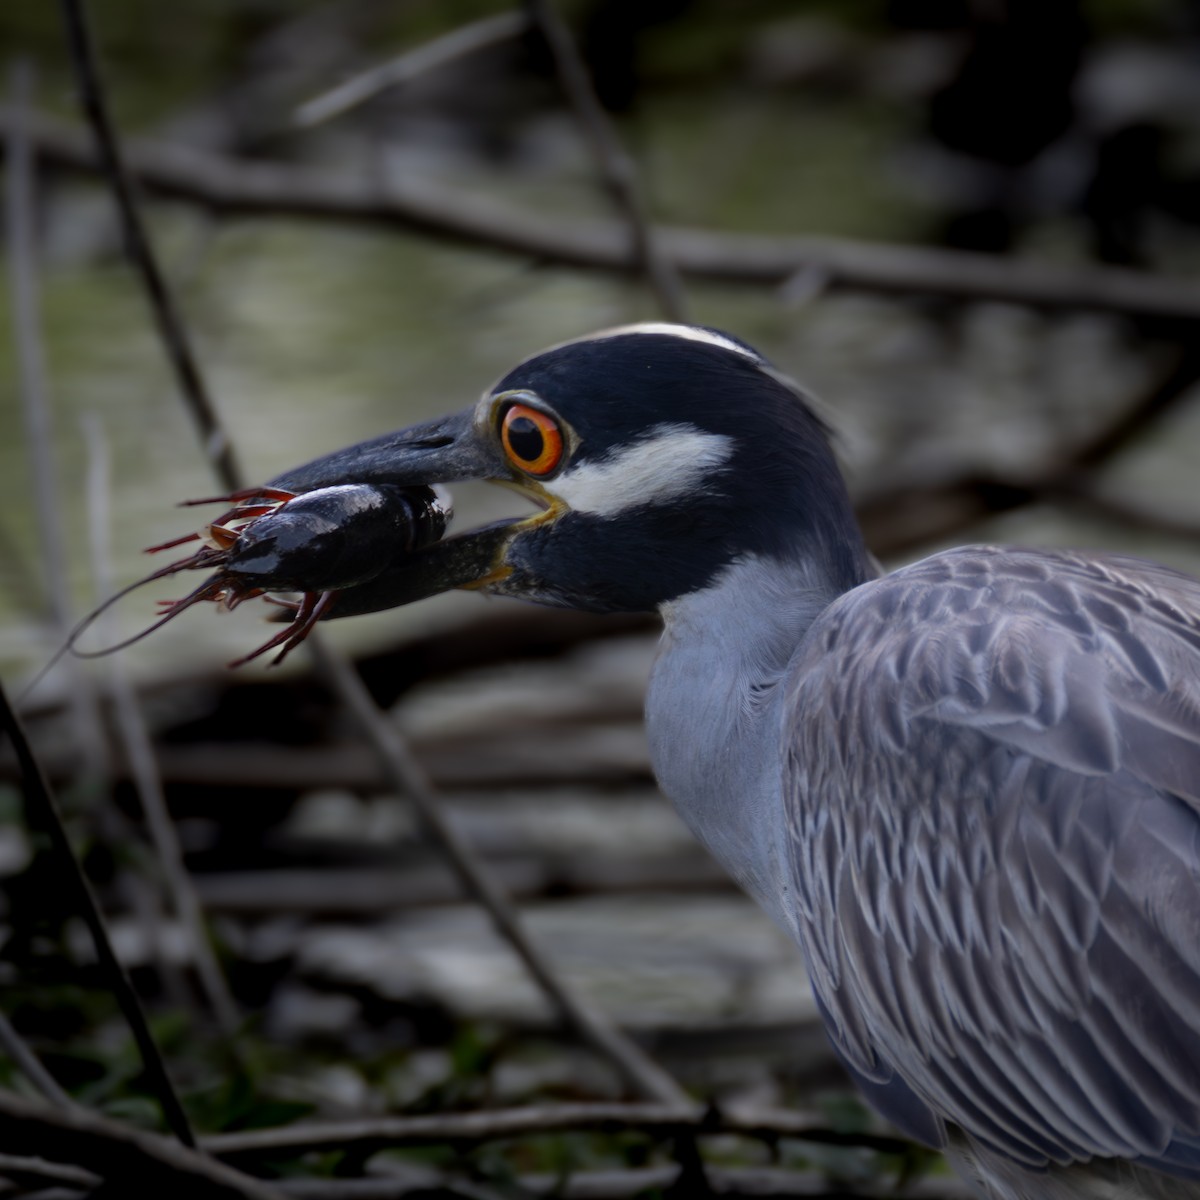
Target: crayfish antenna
(278,495)
(179,541)
(249,503)
(205,557)
(210,589)
(202,558)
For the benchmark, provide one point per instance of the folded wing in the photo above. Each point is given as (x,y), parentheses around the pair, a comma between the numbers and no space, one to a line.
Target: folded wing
(993,780)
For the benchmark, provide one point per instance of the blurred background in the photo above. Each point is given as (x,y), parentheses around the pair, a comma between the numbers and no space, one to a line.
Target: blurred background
(971,228)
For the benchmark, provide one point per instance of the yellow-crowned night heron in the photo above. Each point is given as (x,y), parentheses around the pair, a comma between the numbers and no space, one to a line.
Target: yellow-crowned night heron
(970,790)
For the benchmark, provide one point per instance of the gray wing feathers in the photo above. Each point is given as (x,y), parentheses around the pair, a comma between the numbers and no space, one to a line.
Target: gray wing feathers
(993,778)
(1088,663)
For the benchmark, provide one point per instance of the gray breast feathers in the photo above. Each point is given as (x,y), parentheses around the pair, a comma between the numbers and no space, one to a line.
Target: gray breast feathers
(993,791)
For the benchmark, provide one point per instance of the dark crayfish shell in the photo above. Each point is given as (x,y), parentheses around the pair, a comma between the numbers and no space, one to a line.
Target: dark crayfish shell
(335,537)
(318,543)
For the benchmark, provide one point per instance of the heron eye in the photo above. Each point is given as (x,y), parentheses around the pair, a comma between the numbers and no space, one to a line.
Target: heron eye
(532,440)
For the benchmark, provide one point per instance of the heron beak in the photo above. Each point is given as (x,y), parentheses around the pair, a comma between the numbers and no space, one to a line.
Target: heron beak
(447,450)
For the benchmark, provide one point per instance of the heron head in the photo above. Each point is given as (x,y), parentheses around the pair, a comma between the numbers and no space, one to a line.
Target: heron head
(656,455)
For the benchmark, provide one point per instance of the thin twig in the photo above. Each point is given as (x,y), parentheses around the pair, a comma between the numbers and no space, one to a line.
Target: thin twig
(1093,500)
(579,755)
(143,768)
(45,811)
(303,767)
(454,46)
(239,187)
(471,1128)
(905,514)
(21,243)
(30,1065)
(633,1063)
(287,60)
(371,890)
(145,1164)
(82,702)
(613,161)
(86,65)
(1172,386)
(21,1169)
(407,777)
(20,240)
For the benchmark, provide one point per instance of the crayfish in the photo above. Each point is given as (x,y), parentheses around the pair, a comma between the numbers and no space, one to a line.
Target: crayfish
(318,543)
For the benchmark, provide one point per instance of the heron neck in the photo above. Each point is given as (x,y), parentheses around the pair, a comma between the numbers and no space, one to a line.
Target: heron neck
(713,713)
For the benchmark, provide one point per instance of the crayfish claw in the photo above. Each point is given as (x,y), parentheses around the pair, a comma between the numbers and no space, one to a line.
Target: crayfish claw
(234,598)
(309,611)
(316,544)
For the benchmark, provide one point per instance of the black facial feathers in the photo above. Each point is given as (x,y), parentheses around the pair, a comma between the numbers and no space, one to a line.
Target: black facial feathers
(779,492)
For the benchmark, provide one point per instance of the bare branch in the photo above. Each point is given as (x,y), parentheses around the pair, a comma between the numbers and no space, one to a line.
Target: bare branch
(140,894)
(610,757)
(143,768)
(457,44)
(19,1168)
(405,775)
(1092,499)
(614,755)
(905,514)
(20,240)
(259,188)
(471,1128)
(145,1163)
(21,245)
(615,165)
(1167,391)
(397,762)
(82,701)
(30,1065)
(44,809)
(368,890)
(86,65)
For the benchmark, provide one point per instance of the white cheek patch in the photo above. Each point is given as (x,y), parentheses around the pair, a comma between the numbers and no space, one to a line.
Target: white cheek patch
(670,462)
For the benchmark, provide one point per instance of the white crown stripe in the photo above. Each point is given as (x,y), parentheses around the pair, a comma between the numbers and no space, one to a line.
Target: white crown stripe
(689,333)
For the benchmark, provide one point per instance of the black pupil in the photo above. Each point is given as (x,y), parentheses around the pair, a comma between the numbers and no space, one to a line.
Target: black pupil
(525,439)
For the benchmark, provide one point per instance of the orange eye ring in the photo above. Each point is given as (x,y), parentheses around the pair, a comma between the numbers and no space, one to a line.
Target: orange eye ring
(532,440)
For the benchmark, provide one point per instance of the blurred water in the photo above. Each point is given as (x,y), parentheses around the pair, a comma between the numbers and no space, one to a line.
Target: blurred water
(311,339)
(315,336)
